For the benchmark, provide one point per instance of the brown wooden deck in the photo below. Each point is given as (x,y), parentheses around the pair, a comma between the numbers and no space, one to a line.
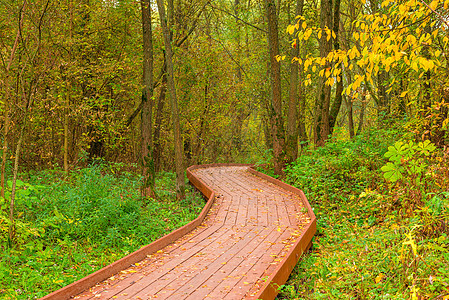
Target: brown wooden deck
(250,239)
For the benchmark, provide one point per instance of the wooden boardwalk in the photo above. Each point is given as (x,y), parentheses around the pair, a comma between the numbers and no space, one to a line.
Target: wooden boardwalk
(247,244)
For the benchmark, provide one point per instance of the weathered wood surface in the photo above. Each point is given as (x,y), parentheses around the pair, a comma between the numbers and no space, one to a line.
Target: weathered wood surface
(246,246)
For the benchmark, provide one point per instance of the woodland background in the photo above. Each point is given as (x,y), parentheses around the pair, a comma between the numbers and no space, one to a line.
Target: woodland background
(101,93)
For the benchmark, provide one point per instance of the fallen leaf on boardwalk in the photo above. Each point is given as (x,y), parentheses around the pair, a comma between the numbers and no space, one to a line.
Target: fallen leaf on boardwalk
(245,282)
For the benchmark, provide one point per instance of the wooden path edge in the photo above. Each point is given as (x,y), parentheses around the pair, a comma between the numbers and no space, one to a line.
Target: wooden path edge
(268,291)
(271,287)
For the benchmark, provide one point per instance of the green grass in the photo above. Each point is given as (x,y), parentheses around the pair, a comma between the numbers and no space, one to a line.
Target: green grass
(67,229)
(370,242)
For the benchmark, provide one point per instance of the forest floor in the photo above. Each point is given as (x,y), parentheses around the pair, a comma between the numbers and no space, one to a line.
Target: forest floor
(376,239)
(67,228)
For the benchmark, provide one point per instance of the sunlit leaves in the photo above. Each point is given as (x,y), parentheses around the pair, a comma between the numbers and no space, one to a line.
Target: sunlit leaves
(407,159)
(399,37)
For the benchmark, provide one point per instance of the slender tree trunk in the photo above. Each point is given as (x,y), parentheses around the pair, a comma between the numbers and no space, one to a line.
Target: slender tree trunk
(275,112)
(335,109)
(362,113)
(295,94)
(383,103)
(147,103)
(350,116)
(321,131)
(180,182)
(157,145)
(427,97)
(67,100)
(5,146)
(7,108)
(66,131)
(13,188)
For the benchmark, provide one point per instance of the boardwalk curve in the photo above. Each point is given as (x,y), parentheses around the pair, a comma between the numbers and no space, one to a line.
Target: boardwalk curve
(243,245)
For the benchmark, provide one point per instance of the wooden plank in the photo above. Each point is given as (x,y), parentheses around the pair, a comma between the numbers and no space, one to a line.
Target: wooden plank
(250,232)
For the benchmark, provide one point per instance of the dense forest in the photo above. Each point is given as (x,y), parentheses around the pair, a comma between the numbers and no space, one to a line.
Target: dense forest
(108,101)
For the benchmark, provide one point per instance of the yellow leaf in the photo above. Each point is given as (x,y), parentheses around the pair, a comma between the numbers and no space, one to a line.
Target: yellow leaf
(290,29)
(313,68)
(304,25)
(323,61)
(433,5)
(330,81)
(307,33)
(411,40)
(379,277)
(319,35)
(403,94)
(435,33)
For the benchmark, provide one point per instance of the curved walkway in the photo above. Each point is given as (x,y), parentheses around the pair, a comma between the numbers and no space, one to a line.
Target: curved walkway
(246,246)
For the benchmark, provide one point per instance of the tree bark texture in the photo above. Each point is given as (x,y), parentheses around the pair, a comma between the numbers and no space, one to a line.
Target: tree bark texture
(180,182)
(335,109)
(321,131)
(146,127)
(294,99)
(275,112)
(157,145)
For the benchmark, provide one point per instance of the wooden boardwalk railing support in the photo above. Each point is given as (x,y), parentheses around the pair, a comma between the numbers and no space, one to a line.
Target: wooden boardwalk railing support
(267,291)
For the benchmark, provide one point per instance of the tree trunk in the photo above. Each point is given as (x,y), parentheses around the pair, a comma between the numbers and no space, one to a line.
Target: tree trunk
(350,116)
(180,182)
(275,112)
(339,89)
(157,145)
(295,94)
(66,131)
(11,229)
(7,109)
(147,103)
(362,112)
(5,146)
(322,131)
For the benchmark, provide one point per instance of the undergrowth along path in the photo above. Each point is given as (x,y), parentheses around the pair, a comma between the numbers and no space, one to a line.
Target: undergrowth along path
(255,230)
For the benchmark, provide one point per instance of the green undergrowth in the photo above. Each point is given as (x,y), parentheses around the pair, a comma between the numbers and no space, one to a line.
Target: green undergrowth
(376,238)
(69,228)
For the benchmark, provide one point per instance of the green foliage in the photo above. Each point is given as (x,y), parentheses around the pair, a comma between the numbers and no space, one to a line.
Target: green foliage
(341,168)
(68,229)
(407,159)
(367,245)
